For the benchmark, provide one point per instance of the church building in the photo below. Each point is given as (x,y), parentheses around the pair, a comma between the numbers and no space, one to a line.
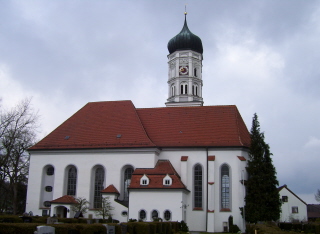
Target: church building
(184,161)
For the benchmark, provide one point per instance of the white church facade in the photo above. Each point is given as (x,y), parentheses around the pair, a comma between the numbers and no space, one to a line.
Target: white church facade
(184,161)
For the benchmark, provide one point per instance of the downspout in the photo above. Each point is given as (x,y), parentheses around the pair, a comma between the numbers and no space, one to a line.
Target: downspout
(207,206)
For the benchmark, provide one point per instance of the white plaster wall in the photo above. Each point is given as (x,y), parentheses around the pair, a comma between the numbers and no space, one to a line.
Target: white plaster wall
(84,161)
(159,200)
(114,161)
(196,219)
(118,208)
(286,208)
(237,167)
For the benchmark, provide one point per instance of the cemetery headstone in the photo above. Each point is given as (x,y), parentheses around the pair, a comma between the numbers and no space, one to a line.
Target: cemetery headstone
(124,228)
(45,230)
(52,220)
(111,230)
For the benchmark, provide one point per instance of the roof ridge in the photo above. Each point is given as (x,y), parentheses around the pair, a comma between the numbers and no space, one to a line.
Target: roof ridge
(144,130)
(237,124)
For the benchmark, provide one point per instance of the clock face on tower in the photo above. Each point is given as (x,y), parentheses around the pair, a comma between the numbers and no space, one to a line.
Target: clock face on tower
(183,70)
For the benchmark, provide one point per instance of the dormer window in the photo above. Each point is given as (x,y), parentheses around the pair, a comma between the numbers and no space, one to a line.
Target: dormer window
(144,180)
(167,180)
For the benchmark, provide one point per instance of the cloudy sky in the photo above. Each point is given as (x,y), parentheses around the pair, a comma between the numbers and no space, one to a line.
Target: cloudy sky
(262,56)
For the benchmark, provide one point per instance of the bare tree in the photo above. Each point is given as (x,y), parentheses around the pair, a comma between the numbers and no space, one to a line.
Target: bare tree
(105,209)
(17,133)
(82,205)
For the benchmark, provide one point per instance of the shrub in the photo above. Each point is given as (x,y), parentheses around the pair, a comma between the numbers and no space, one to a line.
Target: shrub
(184,227)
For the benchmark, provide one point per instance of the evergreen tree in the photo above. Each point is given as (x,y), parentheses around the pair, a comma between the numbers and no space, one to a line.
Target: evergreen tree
(262,197)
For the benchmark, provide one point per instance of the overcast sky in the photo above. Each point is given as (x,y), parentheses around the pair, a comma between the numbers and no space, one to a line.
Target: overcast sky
(262,56)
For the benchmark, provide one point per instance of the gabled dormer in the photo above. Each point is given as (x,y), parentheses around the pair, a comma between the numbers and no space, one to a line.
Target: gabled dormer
(144,181)
(167,180)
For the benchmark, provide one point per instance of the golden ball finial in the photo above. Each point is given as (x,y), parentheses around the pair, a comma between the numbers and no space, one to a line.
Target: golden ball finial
(185,13)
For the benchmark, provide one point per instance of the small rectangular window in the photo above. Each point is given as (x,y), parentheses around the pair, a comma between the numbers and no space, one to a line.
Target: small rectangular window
(295,209)
(285,198)
(144,182)
(167,182)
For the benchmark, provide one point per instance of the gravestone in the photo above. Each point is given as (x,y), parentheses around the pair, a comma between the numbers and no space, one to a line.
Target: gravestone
(124,228)
(111,230)
(45,230)
(26,219)
(52,220)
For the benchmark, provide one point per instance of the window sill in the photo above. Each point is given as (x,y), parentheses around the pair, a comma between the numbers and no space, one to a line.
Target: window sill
(225,210)
(197,208)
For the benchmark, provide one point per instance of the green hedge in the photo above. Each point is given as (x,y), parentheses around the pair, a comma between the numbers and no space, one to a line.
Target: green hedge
(29,228)
(152,227)
(21,228)
(299,227)
(97,228)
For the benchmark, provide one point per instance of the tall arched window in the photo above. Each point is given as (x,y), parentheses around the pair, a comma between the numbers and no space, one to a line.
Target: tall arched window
(225,187)
(198,186)
(195,89)
(98,187)
(184,88)
(126,182)
(173,91)
(72,181)
(195,72)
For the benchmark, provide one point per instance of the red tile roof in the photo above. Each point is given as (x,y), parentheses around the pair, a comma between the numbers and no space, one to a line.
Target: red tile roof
(66,199)
(241,158)
(184,158)
(156,175)
(110,189)
(211,158)
(195,126)
(118,124)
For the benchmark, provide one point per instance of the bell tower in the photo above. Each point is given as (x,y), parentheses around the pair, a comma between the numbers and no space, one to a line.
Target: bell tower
(185,69)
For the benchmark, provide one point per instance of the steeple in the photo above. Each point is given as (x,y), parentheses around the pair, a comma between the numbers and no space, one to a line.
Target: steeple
(185,40)
(185,69)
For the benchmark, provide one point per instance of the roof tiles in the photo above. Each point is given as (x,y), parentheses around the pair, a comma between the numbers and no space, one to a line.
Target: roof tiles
(118,124)
(66,199)
(156,176)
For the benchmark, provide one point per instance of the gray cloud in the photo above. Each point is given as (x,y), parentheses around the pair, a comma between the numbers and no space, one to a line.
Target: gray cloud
(260,55)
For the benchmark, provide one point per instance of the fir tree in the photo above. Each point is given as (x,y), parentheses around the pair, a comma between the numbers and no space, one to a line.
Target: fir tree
(262,197)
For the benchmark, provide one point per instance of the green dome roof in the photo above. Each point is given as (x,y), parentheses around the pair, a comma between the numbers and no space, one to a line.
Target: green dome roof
(185,40)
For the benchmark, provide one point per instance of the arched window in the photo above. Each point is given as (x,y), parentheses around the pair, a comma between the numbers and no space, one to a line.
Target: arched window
(50,170)
(195,89)
(225,187)
(154,214)
(173,91)
(98,186)
(72,181)
(142,214)
(198,186)
(167,215)
(195,72)
(126,182)
(184,88)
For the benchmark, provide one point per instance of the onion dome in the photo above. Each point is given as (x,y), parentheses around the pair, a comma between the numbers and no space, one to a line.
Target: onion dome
(185,40)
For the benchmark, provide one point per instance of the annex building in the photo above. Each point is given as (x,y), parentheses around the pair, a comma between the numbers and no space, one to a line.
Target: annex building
(184,161)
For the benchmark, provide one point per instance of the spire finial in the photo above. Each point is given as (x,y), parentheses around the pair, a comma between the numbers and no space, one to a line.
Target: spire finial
(185,9)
